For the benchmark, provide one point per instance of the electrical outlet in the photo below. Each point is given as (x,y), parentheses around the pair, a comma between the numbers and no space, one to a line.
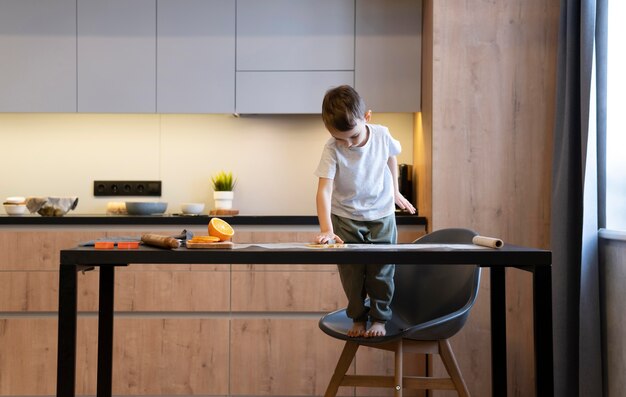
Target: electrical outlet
(127,188)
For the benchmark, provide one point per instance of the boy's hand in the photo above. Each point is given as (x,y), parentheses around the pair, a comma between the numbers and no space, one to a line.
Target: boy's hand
(403,203)
(328,237)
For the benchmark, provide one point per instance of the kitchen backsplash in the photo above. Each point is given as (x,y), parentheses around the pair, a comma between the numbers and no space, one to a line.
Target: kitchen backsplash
(273,157)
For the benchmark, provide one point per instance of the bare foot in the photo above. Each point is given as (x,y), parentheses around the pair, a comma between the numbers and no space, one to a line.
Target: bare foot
(376,329)
(358,329)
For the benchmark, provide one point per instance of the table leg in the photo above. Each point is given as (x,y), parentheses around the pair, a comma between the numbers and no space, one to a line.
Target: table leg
(105,331)
(498,332)
(542,309)
(66,337)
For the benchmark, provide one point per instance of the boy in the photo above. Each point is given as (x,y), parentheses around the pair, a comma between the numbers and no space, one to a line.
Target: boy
(358,185)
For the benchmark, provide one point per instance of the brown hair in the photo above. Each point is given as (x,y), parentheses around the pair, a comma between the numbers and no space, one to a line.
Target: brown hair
(341,108)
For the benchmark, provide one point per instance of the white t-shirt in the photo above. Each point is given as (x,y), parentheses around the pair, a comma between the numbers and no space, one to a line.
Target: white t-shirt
(363,186)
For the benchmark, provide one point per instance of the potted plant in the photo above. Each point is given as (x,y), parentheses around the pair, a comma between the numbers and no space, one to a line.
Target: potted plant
(223,186)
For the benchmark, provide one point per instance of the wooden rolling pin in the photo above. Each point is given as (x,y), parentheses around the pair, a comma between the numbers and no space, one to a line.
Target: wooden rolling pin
(157,240)
(490,242)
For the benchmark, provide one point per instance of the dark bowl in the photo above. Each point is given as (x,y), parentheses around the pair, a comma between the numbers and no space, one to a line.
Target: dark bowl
(145,208)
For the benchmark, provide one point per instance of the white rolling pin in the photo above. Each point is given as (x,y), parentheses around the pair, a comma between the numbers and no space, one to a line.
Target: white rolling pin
(490,242)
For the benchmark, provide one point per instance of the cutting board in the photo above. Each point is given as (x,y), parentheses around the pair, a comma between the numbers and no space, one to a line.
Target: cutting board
(219,244)
(223,212)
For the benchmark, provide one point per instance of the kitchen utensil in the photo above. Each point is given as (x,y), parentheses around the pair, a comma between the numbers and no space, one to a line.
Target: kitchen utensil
(223,212)
(15,209)
(51,206)
(116,208)
(145,208)
(15,200)
(192,208)
(128,245)
(157,240)
(219,244)
(104,245)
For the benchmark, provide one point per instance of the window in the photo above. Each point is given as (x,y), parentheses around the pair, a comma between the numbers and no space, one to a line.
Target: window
(616,118)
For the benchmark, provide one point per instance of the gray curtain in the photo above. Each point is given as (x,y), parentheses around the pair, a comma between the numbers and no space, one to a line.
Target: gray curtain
(577,197)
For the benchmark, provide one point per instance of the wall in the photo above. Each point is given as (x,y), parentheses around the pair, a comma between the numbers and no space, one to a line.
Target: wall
(273,157)
(490,114)
(612,251)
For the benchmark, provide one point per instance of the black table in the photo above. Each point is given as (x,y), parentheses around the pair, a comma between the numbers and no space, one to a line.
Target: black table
(536,261)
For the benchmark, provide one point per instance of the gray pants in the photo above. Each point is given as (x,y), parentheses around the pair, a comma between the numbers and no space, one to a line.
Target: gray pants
(360,281)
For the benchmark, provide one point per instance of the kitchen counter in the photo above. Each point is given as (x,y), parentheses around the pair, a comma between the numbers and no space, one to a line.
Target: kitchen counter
(174,220)
(227,314)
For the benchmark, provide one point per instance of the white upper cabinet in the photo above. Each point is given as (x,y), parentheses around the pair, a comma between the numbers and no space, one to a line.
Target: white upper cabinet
(207,56)
(38,56)
(117,56)
(289,52)
(196,56)
(286,92)
(388,54)
(295,35)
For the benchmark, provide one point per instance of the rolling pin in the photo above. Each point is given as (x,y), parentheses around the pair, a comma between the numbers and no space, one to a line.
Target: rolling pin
(490,242)
(157,240)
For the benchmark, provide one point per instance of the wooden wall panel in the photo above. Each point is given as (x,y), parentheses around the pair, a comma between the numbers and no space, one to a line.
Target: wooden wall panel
(168,291)
(287,291)
(408,236)
(281,268)
(38,250)
(281,357)
(38,291)
(165,290)
(492,112)
(170,356)
(27,356)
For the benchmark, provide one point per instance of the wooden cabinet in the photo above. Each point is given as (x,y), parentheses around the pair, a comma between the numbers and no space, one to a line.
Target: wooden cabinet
(38,62)
(181,329)
(196,56)
(117,56)
(290,52)
(388,54)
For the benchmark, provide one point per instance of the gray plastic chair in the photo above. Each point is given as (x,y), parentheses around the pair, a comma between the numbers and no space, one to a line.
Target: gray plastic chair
(431,303)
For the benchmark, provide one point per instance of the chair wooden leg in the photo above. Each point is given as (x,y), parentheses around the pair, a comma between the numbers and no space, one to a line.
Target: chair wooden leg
(347,355)
(449,361)
(398,370)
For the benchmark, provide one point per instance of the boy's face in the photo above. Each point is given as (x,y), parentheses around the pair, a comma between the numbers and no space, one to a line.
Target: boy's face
(355,137)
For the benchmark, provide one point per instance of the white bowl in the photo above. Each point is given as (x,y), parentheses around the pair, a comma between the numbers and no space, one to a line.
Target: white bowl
(15,200)
(15,209)
(192,208)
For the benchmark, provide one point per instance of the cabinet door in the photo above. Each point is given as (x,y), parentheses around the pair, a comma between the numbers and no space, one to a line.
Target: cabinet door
(117,56)
(38,61)
(388,54)
(196,56)
(286,92)
(295,35)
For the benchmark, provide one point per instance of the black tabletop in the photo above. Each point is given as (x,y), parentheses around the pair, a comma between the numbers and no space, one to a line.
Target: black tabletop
(509,255)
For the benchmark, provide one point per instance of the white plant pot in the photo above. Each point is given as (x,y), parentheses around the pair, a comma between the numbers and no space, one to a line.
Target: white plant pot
(223,200)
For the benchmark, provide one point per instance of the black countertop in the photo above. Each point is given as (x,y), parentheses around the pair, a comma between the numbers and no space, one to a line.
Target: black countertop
(253,220)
